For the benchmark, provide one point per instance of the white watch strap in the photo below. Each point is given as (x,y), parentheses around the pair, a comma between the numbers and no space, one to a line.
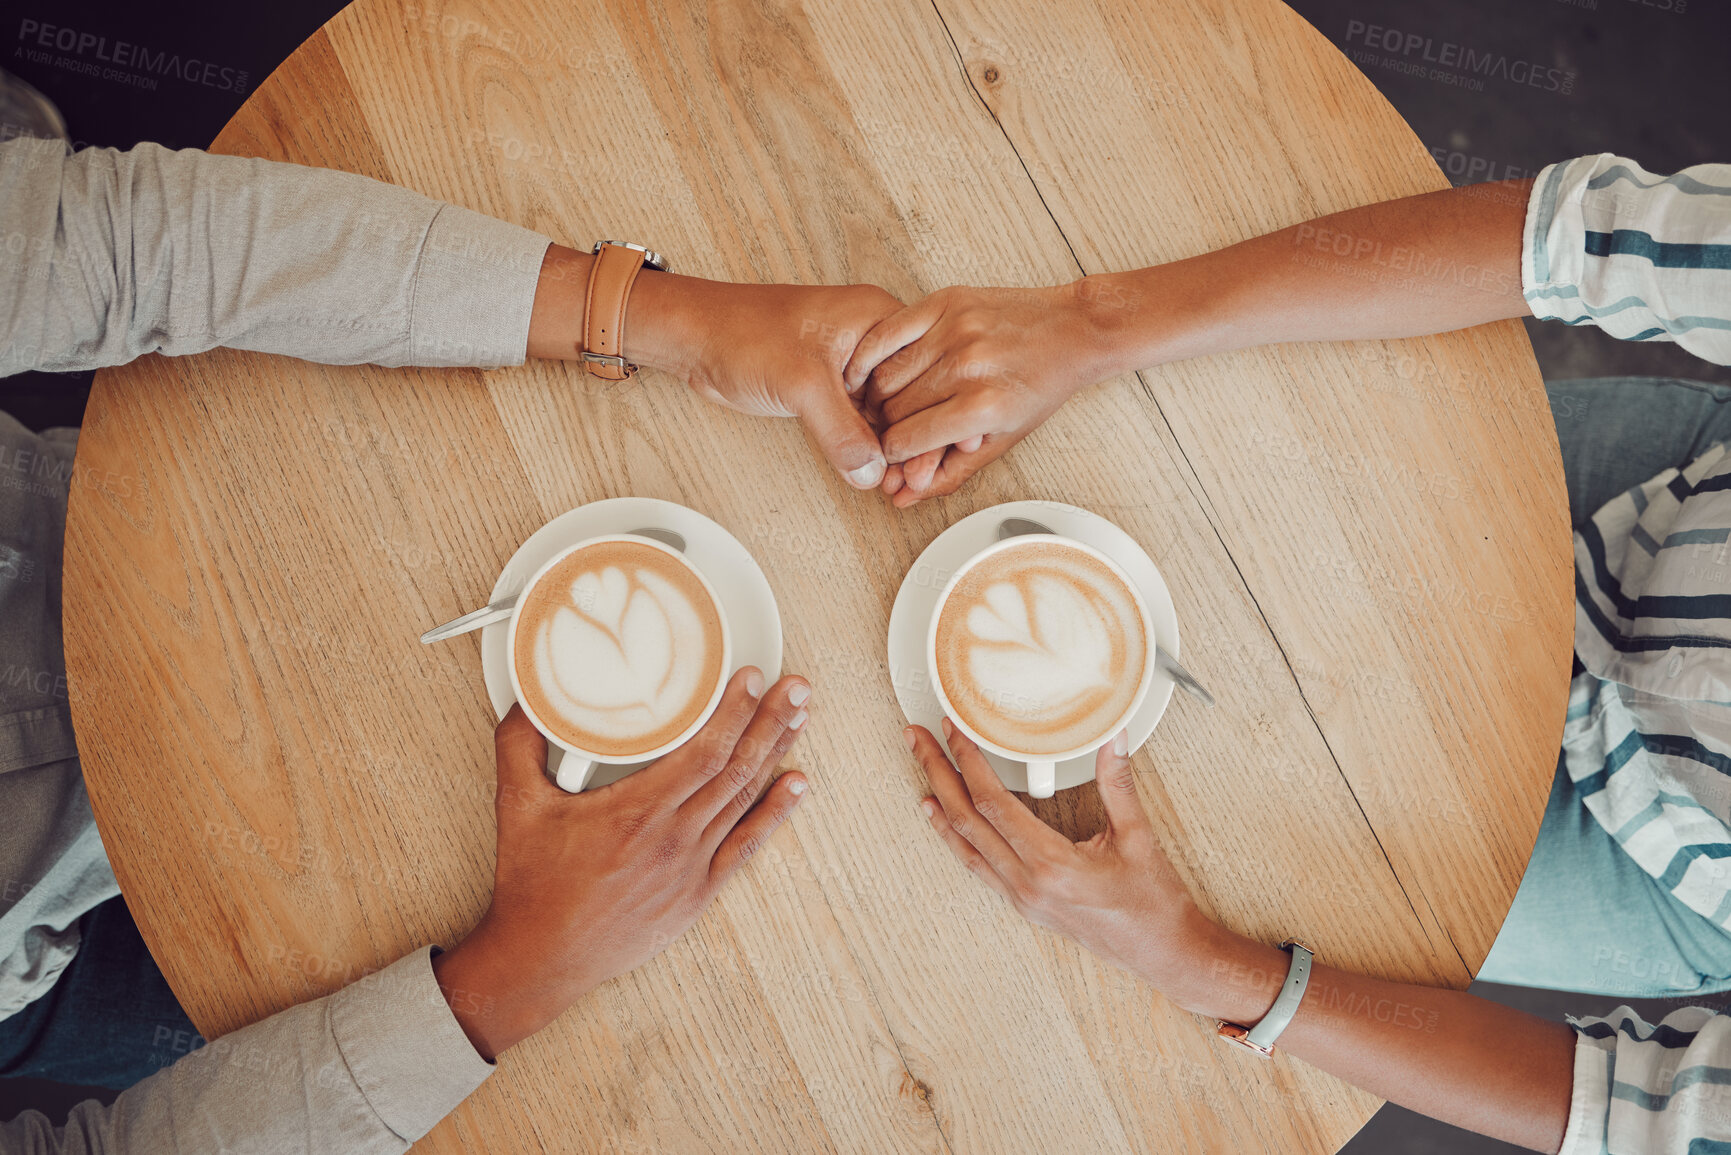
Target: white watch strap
(1285,1005)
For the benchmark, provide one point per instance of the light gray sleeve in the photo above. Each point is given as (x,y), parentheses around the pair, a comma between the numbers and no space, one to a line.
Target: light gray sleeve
(368,1069)
(106,255)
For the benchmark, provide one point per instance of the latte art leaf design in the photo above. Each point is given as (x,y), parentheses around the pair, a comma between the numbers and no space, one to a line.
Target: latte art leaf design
(615,660)
(1040,646)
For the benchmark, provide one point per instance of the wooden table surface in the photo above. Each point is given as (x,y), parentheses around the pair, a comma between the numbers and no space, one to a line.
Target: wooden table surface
(1367,544)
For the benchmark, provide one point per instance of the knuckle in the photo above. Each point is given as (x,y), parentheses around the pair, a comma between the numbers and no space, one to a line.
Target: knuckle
(895,366)
(740,769)
(634,821)
(988,809)
(973,357)
(739,803)
(666,853)
(772,758)
(712,756)
(990,408)
(751,844)
(871,296)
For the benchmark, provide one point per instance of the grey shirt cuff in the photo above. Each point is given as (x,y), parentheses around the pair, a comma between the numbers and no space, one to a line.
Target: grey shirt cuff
(474,289)
(403,1046)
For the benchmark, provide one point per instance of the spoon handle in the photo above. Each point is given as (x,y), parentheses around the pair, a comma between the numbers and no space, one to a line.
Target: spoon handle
(499,610)
(473,620)
(1169,665)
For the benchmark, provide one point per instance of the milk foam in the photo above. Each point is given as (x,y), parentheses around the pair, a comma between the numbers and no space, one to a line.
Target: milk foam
(622,653)
(1040,648)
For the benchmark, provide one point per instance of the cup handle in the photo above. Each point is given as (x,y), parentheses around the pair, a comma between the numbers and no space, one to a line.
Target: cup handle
(574,772)
(1042,779)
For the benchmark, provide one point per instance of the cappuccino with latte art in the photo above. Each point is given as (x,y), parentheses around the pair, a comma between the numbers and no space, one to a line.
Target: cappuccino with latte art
(619,649)
(1041,648)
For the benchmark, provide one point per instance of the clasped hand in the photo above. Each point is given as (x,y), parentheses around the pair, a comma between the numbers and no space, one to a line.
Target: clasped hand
(914,399)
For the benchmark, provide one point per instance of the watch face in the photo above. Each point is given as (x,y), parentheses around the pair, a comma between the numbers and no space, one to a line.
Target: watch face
(650,257)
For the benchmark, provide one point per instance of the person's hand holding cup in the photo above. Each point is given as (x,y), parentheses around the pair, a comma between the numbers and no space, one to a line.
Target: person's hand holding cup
(588,886)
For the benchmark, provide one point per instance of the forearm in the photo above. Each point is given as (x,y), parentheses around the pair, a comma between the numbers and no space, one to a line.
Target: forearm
(1446,1054)
(152,250)
(1422,264)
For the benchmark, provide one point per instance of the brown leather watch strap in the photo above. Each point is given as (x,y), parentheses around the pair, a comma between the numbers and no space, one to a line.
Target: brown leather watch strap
(610,280)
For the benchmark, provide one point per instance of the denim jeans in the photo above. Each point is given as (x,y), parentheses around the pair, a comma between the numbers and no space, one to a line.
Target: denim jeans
(109,1021)
(1587,917)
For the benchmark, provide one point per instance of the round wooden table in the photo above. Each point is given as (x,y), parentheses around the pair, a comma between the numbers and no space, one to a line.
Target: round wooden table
(1367,544)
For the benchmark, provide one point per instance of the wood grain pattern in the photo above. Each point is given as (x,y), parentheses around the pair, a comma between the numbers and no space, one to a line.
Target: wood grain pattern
(1367,545)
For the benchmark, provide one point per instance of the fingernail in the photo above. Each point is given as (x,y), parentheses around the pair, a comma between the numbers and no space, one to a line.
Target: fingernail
(910,738)
(949,730)
(927,808)
(799,693)
(868,475)
(754,683)
(797,786)
(1121,744)
(798,720)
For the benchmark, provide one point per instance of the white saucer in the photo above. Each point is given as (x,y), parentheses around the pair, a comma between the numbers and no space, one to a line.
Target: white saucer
(912,615)
(746,598)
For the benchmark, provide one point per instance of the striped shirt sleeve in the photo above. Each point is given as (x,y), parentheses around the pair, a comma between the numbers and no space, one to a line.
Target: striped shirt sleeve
(1642,1089)
(1643,257)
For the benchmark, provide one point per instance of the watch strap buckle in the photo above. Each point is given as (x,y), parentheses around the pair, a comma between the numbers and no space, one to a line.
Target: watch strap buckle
(611,276)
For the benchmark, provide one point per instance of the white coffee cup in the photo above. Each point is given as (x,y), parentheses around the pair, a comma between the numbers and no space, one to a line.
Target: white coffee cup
(1041,768)
(578,764)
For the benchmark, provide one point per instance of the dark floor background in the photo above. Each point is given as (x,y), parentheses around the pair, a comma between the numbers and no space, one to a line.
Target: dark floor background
(1648,79)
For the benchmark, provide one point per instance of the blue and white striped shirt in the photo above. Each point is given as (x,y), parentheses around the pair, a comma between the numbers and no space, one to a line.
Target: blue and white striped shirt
(1647,739)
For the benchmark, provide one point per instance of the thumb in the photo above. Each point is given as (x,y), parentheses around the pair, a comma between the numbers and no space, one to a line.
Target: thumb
(1117,785)
(841,432)
(522,755)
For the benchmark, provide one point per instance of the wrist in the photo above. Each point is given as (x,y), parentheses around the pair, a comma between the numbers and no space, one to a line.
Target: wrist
(497,999)
(664,321)
(664,314)
(1104,332)
(1146,317)
(1220,974)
